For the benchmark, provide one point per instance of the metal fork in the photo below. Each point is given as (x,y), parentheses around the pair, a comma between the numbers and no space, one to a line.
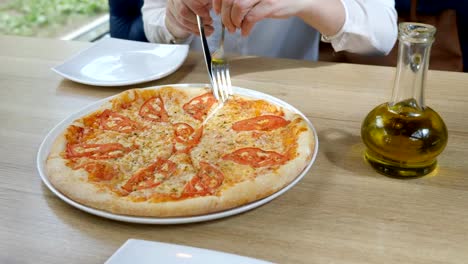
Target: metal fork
(220,72)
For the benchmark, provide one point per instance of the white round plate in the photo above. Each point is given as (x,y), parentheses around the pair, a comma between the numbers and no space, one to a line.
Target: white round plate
(46,145)
(117,62)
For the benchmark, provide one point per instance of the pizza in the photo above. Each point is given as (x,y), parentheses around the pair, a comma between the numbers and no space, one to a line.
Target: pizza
(171,151)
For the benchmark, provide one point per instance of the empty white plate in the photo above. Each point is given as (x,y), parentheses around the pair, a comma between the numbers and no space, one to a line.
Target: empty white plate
(116,62)
(148,252)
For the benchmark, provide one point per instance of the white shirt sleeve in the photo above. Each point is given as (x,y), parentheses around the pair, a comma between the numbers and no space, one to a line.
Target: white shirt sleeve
(370,27)
(154,16)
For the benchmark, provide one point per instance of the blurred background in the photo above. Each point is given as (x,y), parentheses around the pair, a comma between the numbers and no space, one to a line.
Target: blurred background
(90,20)
(84,20)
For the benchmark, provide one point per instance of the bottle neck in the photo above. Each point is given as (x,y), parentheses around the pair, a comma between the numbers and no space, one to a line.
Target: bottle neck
(411,71)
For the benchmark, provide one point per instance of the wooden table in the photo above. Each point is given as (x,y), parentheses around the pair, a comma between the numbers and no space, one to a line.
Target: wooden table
(341,212)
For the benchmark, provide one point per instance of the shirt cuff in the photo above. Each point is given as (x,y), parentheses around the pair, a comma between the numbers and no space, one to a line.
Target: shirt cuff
(339,39)
(156,30)
(169,37)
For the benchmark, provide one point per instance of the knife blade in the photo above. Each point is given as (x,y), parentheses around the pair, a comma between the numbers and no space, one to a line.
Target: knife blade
(206,50)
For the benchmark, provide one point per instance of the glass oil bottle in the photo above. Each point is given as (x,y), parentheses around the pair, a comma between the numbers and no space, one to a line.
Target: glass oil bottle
(404,136)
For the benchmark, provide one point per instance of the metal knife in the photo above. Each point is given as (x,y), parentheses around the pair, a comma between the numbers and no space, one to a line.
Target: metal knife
(206,50)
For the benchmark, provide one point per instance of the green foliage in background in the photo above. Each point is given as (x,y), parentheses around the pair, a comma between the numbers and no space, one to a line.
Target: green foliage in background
(27,17)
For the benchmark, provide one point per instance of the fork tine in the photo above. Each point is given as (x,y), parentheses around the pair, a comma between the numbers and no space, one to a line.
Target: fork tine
(218,80)
(223,84)
(224,89)
(220,76)
(215,84)
(228,78)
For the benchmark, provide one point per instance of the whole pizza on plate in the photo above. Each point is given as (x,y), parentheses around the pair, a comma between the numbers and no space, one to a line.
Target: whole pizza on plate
(177,152)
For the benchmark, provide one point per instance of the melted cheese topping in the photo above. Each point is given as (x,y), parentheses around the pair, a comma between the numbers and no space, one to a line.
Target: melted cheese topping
(219,138)
(156,140)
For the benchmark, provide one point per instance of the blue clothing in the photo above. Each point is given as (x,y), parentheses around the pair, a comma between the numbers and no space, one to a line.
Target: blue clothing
(434,7)
(126,20)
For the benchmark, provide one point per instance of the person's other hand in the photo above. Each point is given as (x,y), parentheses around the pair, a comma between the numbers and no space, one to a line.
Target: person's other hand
(181,18)
(244,14)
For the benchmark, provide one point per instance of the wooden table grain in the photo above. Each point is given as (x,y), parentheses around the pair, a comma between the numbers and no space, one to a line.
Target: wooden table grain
(341,212)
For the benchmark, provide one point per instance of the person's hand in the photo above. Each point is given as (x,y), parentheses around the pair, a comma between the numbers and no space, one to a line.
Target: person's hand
(325,16)
(244,14)
(181,18)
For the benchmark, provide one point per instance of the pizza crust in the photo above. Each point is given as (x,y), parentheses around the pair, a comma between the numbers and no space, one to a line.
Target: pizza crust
(74,184)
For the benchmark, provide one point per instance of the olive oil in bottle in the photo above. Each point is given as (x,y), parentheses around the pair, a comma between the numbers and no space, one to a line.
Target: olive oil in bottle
(404,137)
(403,141)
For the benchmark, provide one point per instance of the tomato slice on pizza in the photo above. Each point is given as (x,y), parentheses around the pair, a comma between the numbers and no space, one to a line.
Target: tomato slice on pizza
(263,123)
(151,176)
(153,110)
(77,134)
(110,120)
(256,157)
(99,171)
(187,136)
(97,151)
(199,106)
(205,182)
